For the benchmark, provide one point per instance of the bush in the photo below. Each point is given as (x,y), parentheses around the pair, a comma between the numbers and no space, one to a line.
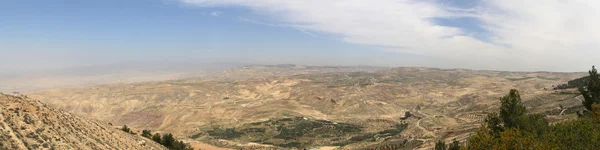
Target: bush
(440,145)
(127,129)
(455,145)
(147,133)
(156,138)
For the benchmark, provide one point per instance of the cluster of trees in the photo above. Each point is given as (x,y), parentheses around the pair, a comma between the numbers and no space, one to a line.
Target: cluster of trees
(579,82)
(591,92)
(514,128)
(127,130)
(441,145)
(166,139)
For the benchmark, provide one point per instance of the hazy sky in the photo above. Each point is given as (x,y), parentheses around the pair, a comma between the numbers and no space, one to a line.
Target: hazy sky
(531,35)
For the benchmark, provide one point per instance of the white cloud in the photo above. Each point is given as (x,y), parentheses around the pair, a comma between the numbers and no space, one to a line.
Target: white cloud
(215,13)
(554,35)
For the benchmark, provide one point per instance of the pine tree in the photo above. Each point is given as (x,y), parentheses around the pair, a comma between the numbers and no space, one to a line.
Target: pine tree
(494,124)
(511,108)
(591,90)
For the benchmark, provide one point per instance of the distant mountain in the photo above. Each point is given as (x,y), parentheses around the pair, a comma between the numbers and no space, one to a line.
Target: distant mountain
(29,124)
(32,81)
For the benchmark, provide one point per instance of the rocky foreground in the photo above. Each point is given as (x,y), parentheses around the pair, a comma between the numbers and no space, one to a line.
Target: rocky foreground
(30,124)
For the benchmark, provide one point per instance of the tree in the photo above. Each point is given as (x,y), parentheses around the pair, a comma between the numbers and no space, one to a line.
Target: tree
(455,145)
(534,123)
(168,140)
(179,145)
(494,124)
(483,139)
(511,108)
(147,133)
(591,90)
(126,129)
(440,145)
(156,138)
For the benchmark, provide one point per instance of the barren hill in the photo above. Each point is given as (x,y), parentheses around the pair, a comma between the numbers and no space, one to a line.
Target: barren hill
(245,102)
(29,124)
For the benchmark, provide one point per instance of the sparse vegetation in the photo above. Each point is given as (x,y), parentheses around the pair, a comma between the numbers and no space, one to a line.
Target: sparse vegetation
(444,103)
(519,79)
(301,132)
(547,78)
(225,133)
(127,129)
(427,137)
(166,140)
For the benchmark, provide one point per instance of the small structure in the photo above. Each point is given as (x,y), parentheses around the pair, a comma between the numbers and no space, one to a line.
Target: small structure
(407,115)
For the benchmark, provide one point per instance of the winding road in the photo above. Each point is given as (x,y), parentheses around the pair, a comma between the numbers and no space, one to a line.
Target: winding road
(423,128)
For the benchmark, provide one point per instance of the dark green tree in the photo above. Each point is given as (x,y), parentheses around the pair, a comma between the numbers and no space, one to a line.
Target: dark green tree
(494,124)
(591,90)
(156,138)
(534,123)
(179,145)
(511,108)
(147,133)
(455,145)
(440,145)
(168,140)
(126,129)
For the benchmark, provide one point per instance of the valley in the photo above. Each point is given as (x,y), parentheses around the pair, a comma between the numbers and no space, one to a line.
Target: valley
(293,106)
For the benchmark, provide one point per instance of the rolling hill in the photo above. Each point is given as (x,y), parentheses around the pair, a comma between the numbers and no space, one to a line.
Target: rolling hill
(444,103)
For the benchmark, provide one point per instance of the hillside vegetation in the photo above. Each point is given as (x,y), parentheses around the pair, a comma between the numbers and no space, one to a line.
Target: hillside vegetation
(513,128)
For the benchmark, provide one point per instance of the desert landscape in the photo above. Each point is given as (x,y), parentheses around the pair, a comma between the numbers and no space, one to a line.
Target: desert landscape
(294,106)
(299,74)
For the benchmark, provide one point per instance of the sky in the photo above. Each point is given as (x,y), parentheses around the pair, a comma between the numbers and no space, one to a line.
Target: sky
(511,35)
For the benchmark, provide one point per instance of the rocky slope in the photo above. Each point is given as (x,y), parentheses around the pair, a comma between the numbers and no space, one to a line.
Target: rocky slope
(30,124)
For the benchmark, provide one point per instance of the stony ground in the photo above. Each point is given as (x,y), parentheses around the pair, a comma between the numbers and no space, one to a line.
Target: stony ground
(29,124)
